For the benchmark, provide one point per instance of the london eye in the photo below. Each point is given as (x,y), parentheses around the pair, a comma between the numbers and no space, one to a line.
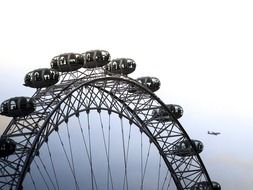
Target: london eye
(91,126)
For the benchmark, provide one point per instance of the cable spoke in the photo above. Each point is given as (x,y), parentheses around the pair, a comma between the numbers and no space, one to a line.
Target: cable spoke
(141,187)
(52,164)
(145,167)
(124,155)
(169,183)
(70,148)
(91,165)
(44,167)
(65,152)
(32,181)
(109,147)
(107,152)
(165,179)
(159,173)
(43,178)
(86,149)
(128,143)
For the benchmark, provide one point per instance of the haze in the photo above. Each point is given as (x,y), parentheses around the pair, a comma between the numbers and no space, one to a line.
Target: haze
(200,50)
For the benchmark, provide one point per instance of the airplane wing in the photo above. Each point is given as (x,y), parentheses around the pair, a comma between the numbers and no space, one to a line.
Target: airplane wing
(213,133)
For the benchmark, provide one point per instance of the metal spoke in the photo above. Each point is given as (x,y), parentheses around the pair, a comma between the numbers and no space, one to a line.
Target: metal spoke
(87,150)
(109,146)
(42,176)
(70,148)
(125,184)
(69,164)
(32,181)
(159,173)
(52,164)
(91,164)
(165,179)
(109,175)
(145,167)
(169,183)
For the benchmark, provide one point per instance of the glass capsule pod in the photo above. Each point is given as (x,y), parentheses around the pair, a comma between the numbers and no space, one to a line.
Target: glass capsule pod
(122,66)
(204,185)
(152,83)
(7,147)
(184,148)
(41,78)
(96,58)
(17,107)
(67,62)
(162,115)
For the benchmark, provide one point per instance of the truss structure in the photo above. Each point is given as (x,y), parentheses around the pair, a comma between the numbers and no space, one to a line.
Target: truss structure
(91,89)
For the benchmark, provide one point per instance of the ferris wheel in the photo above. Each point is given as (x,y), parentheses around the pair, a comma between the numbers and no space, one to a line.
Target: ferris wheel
(90,126)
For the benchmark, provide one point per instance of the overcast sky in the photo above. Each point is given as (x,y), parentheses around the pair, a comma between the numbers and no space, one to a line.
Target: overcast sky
(200,50)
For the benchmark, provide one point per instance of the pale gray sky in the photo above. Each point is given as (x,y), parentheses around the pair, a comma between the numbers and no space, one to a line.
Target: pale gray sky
(200,50)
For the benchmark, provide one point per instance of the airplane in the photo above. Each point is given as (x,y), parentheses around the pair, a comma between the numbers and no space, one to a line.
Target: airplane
(213,133)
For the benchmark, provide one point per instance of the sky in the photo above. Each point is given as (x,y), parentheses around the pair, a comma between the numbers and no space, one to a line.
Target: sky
(200,50)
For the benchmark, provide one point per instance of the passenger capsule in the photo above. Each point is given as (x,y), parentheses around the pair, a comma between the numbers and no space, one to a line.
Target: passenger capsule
(184,148)
(67,62)
(204,185)
(17,107)
(121,66)
(7,147)
(41,78)
(96,58)
(162,115)
(152,83)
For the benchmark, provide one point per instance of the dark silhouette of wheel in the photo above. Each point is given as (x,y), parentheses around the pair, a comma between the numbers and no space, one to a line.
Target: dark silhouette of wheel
(90,126)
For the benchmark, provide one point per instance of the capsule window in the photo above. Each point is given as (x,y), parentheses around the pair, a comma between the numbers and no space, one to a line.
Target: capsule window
(139,80)
(23,103)
(114,65)
(172,109)
(3,147)
(73,60)
(155,80)
(28,99)
(13,105)
(28,77)
(2,108)
(77,56)
(148,82)
(104,54)
(62,61)
(54,62)
(183,145)
(36,76)
(88,56)
(200,146)
(5,106)
(46,75)
(53,74)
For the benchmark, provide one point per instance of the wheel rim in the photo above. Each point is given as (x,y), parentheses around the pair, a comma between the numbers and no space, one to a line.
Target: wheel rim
(138,107)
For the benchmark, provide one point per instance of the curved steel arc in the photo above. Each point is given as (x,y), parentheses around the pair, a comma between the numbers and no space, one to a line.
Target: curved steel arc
(139,124)
(38,116)
(28,159)
(48,106)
